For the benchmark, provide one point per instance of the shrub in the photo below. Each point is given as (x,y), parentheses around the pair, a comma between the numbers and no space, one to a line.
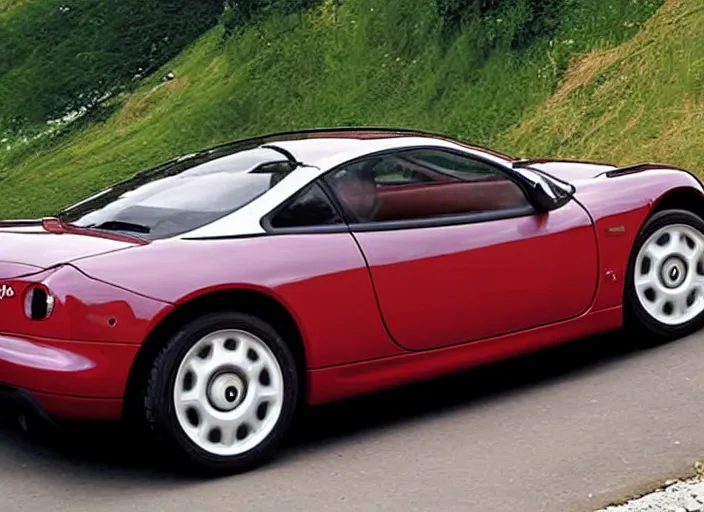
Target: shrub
(516,23)
(239,13)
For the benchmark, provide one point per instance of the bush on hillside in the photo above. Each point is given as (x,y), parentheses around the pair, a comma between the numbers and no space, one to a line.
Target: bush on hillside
(516,23)
(60,55)
(239,13)
(523,20)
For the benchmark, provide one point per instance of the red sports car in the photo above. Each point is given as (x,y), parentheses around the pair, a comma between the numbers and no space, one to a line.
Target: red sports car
(212,295)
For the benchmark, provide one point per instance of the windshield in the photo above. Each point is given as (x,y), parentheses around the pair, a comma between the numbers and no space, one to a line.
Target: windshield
(182,195)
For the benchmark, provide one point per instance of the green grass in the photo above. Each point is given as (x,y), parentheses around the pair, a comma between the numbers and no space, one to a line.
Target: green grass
(367,63)
(7,6)
(643,101)
(60,55)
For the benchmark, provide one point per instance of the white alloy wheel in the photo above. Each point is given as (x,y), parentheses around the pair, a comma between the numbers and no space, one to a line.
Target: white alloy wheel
(228,392)
(669,274)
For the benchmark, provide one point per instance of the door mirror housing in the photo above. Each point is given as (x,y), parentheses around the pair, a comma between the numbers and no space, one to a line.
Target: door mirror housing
(545,201)
(545,193)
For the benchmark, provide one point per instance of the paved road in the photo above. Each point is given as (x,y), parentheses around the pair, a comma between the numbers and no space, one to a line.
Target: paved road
(570,429)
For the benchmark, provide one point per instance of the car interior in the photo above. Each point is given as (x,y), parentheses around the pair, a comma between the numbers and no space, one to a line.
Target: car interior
(406,189)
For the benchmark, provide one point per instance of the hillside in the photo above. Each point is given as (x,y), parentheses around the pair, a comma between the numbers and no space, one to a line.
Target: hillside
(59,56)
(641,101)
(365,62)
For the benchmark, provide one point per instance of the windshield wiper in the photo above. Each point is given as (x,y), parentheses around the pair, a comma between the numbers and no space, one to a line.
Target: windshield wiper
(118,225)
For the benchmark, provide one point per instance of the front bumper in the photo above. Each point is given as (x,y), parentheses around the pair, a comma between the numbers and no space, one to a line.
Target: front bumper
(66,379)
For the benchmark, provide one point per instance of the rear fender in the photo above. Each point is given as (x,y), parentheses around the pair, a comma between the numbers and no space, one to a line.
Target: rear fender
(84,309)
(321,280)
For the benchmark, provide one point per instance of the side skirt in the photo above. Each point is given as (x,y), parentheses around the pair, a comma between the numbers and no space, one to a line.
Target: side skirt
(346,381)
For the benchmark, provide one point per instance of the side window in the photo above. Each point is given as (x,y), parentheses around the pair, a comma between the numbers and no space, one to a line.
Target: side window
(392,171)
(423,184)
(458,166)
(309,208)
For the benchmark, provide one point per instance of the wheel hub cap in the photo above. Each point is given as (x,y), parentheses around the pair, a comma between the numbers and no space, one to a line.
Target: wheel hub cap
(229,392)
(226,391)
(669,274)
(673,272)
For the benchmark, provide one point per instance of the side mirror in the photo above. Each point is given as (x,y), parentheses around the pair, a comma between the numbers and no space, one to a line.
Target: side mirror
(543,200)
(541,194)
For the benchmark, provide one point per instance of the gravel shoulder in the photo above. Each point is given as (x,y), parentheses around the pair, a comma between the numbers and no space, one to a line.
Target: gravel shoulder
(679,496)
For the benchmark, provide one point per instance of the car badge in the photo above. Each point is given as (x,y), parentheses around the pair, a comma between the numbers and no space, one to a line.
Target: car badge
(6,292)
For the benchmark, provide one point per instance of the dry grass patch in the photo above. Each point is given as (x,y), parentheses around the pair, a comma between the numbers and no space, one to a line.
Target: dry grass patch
(639,101)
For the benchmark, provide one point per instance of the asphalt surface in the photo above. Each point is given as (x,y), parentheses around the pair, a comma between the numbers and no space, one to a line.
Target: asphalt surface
(571,429)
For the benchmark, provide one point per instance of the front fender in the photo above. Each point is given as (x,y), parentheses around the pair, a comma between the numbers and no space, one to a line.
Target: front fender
(620,204)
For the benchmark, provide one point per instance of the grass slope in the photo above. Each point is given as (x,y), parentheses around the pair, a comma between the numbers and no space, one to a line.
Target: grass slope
(7,6)
(61,55)
(641,101)
(369,62)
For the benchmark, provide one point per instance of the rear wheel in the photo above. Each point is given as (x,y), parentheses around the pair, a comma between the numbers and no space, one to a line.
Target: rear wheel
(664,296)
(222,392)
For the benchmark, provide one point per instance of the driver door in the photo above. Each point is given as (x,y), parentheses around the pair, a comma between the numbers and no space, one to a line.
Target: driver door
(457,253)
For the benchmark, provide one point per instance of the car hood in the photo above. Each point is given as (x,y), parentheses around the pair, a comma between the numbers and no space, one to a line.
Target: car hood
(27,249)
(570,171)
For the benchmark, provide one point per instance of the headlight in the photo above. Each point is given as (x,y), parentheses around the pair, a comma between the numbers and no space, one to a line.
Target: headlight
(38,303)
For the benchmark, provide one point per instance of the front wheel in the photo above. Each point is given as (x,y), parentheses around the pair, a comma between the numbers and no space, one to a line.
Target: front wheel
(664,296)
(222,392)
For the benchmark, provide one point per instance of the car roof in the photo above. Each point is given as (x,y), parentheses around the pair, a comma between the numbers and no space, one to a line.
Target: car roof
(314,146)
(320,151)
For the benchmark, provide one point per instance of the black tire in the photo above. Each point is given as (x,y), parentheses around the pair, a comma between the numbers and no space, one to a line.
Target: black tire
(160,412)
(647,331)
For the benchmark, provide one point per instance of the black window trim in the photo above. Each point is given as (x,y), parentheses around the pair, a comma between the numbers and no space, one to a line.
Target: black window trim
(442,220)
(350,225)
(342,227)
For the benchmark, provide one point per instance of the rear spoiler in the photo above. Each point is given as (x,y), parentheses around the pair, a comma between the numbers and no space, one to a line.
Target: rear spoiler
(521,164)
(644,166)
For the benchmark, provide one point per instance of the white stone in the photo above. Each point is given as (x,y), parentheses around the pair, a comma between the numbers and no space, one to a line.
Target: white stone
(691,504)
(697,491)
(677,496)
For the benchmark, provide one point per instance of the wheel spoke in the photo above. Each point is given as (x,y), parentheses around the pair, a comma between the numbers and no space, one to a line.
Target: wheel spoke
(196,366)
(228,432)
(656,307)
(655,253)
(644,283)
(697,283)
(192,398)
(675,242)
(694,255)
(266,393)
(679,244)
(203,429)
(254,368)
(249,418)
(679,304)
(220,354)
